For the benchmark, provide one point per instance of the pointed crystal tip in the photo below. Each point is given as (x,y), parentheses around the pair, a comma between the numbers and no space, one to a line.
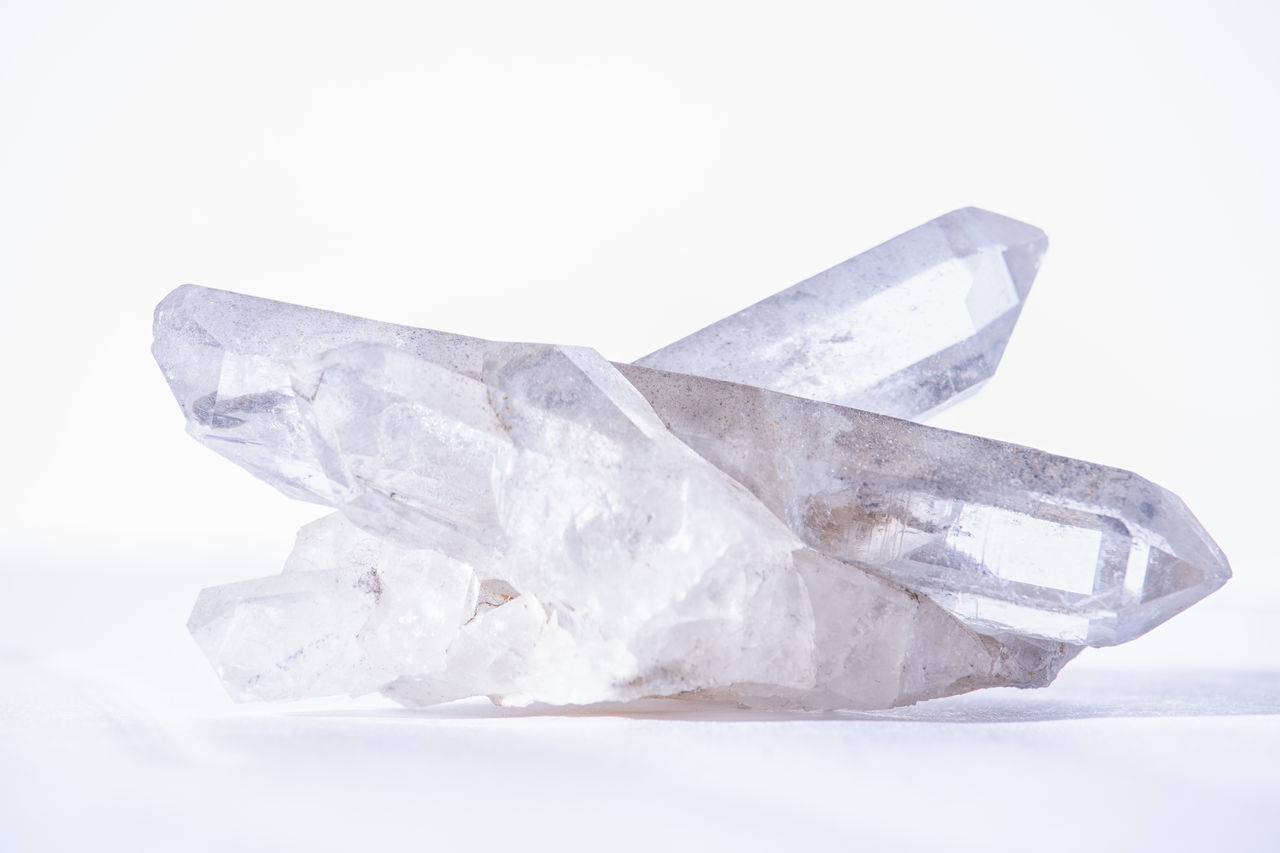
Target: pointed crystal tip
(903,329)
(1009,539)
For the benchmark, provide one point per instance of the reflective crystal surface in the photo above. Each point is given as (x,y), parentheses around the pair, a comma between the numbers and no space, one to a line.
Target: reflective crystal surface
(1007,538)
(533,523)
(903,329)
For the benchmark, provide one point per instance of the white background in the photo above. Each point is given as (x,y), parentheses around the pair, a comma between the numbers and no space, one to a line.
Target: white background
(619,175)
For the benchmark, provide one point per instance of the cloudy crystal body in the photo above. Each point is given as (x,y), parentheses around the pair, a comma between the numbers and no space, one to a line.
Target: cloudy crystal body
(904,329)
(578,553)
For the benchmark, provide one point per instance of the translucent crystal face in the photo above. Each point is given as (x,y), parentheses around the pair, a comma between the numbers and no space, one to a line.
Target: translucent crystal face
(900,330)
(533,523)
(618,563)
(1007,538)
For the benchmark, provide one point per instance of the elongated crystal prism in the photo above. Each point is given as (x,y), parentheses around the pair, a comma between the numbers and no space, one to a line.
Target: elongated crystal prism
(1008,538)
(903,329)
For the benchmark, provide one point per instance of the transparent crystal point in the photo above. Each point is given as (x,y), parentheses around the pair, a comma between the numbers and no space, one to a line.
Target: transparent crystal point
(903,329)
(348,615)
(226,357)
(1010,539)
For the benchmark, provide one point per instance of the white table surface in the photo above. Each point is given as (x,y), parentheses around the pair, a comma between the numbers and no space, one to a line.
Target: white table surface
(114,734)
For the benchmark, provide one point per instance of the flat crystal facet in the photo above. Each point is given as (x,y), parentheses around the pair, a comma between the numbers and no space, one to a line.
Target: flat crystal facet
(904,329)
(587,554)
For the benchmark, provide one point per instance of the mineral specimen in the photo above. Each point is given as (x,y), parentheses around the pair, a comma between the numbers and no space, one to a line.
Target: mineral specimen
(532,523)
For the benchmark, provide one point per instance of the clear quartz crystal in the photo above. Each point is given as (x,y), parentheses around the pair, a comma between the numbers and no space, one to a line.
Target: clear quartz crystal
(904,329)
(624,565)
(532,523)
(1009,539)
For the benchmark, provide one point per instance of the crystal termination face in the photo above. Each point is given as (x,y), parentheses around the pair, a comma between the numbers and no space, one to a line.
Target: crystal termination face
(904,329)
(533,523)
(1007,538)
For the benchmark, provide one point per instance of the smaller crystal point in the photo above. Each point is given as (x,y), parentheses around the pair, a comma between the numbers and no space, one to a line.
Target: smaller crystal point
(349,613)
(903,329)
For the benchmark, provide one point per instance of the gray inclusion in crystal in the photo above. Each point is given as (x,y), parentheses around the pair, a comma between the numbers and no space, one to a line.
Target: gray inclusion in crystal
(1009,539)
(903,329)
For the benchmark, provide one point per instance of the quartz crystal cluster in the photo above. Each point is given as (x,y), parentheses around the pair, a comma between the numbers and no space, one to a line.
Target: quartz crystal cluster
(736,516)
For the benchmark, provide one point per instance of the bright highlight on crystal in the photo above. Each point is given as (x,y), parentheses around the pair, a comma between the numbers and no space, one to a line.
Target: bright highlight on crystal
(532,523)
